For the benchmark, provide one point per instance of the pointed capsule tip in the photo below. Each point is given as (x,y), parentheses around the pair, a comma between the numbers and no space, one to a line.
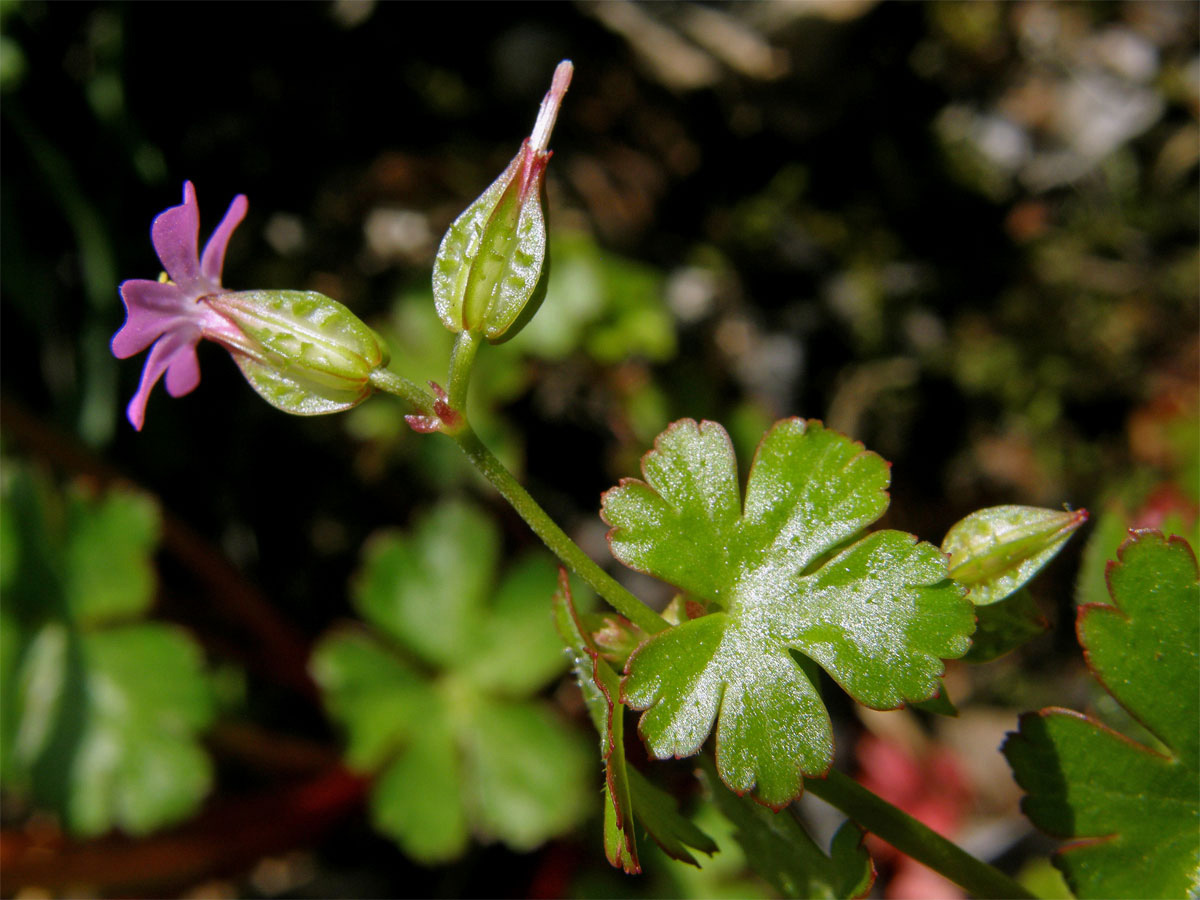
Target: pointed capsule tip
(539,140)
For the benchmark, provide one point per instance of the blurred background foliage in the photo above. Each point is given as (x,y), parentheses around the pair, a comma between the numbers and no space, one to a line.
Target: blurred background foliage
(963,233)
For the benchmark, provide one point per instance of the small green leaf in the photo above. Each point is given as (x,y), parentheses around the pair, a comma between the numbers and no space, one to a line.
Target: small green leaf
(1134,810)
(615,636)
(674,833)
(786,574)
(995,551)
(780,850)
(1004,626)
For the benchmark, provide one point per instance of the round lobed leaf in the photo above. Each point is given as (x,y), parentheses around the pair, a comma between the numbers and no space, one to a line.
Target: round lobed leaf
(879,615)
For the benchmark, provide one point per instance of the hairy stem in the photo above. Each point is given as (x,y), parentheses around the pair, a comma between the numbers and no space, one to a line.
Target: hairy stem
(570,553)
(908,835)
(554,537)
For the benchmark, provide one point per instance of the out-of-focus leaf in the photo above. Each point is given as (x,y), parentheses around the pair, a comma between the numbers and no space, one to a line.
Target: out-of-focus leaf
(1004,626)
(108,570)
(107,725)
(426,590)
(787,569)
(522,651)
(1134,811)
(381,699)
(417,800)
(10,543)
(996,551)
(781,851)
(99,721)
(525,773)
(11,644)
(939,705)
(612,306)
(440,709)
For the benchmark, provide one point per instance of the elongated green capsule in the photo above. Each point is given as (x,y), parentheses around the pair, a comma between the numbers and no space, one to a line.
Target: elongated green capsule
(995,551)
(492,258)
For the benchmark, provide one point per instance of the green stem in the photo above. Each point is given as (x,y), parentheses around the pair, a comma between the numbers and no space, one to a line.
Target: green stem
(554,537)
(506,483)
(417,397)
(909,836)
(461,361)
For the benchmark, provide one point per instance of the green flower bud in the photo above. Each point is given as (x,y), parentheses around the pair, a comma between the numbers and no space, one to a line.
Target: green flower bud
(303,352)
(492,259)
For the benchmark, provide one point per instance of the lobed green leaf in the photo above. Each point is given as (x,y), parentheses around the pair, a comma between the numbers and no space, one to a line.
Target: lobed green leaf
(426,590)
(1134,811)
(102,743)
(439,706)
(98,722)
(785,575)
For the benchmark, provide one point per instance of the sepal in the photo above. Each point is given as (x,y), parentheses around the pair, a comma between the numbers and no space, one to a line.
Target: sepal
(492,260)
(303,352)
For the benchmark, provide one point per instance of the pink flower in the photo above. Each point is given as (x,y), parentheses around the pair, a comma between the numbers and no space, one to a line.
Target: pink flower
(172,315)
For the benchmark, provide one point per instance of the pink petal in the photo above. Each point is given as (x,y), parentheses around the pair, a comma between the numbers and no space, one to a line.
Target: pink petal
(163,356)
(183,373)
(151,309)
(176,237)
(214,250)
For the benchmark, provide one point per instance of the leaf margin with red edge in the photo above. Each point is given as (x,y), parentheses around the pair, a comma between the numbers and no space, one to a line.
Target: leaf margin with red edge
(801,525)
(620,840)
(1106,855)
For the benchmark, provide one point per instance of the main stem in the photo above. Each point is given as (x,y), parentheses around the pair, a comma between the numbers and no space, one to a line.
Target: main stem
(919,841)
(554,537)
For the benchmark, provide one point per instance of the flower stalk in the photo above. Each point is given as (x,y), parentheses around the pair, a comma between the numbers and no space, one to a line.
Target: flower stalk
(909,836)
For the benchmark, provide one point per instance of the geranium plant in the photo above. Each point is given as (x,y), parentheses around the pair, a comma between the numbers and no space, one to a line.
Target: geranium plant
(783,594)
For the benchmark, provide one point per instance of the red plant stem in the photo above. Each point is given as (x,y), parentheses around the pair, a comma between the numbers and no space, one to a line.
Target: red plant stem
(229,836)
